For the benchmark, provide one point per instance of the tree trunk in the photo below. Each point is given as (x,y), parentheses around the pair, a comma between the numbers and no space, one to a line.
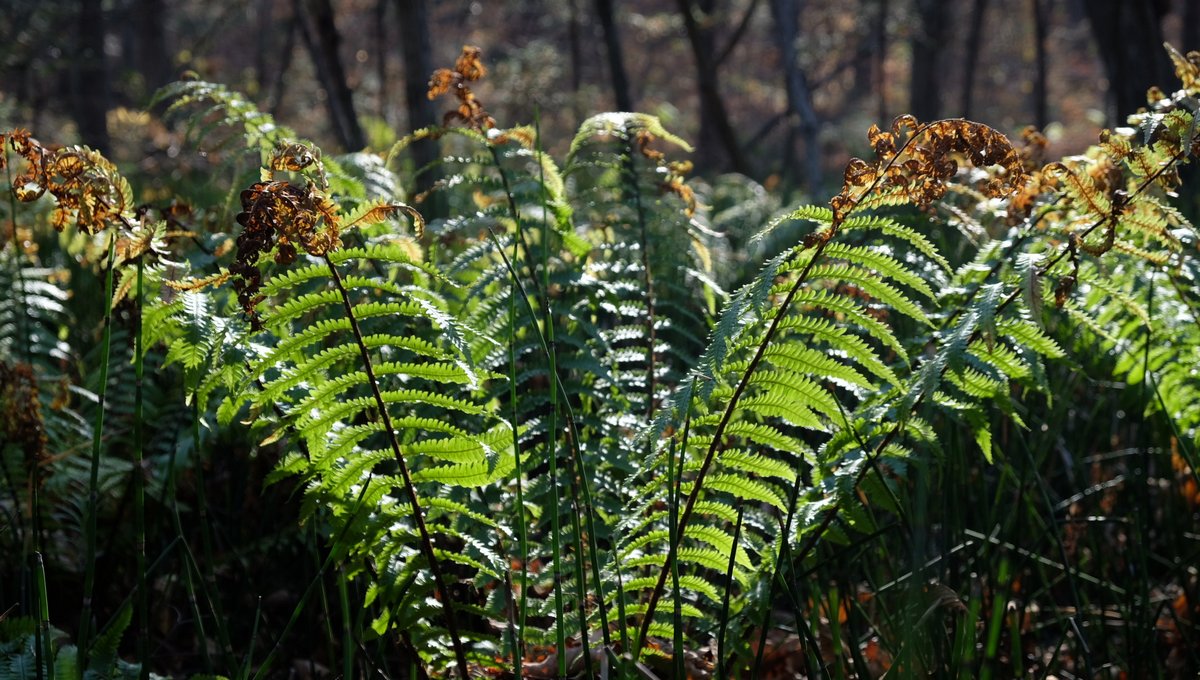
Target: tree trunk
(262,46)
(418,66)
(716,132)
(616,61)
(90,100)
(575,43)
(322,39)
(801,116)
(1191,26)
(1041,15)
(881,48)
(379,36)
(974,46)
(925,87)
(151,59)
(274,101)
(1129,38)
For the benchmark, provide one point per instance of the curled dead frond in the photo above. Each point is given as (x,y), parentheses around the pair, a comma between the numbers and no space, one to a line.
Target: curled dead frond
(468,68)
(86,186)
(919,159)
(279,216)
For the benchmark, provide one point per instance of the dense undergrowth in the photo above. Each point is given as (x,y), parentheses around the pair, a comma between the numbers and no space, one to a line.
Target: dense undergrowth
(586,417)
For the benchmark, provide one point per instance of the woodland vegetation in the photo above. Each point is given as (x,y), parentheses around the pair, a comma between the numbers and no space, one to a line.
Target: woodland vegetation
(334,345)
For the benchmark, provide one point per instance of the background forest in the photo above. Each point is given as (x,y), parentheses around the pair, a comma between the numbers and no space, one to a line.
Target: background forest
(355,338)
(776,89)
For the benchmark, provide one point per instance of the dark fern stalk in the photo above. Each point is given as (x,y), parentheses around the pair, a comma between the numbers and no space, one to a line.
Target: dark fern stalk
(409,488)
(43,649)
(90,530)
(723,655)
(717,439)
(347,632)
(673,518)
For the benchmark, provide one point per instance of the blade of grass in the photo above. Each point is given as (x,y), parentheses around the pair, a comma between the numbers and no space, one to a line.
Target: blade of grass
(139,483)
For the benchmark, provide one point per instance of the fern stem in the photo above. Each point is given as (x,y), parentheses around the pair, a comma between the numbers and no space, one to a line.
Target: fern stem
(347,631)
(519,520)
(785,537)
(672,518)
(516,216)
(90,528)
(555,528)
(580,581)
(189,566)
(409,488)
(723,654)
(718,438)
(139,483)
(43,649)
(206,575)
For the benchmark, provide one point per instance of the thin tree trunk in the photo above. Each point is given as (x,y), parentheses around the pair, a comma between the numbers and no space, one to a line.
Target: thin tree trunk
(1129,38)
(738,34)
(289,49)
(1041,15)
(716,131)
(90,92)
(418,65)
(379,35)
(149,18)
(1191,26)
(616,60)
(802,117)
(322,40)
(575,45)
(881,48)
(262,45)
(925,86)
(974,46)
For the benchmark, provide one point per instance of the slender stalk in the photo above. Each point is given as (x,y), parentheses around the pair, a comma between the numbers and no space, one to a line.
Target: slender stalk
(347,632)
(435,570)
(580,581)
(519,520)
(785,537)
(254,635)
(139,485)
(90,528)
(560,639)
(672,519)
(189,567)
(207,576)
(722,653)
(43,649)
